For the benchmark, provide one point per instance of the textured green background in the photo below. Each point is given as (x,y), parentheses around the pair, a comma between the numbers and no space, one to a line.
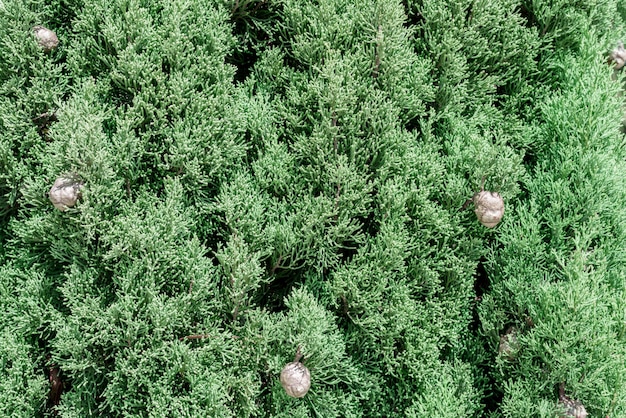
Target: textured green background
(263,175)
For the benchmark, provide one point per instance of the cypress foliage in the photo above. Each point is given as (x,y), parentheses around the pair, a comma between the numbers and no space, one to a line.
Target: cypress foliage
(262,178)
(572,225)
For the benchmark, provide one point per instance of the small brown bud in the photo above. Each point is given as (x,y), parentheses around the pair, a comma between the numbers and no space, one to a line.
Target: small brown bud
(489,208)
(65,192)
(295,379)
(47,39)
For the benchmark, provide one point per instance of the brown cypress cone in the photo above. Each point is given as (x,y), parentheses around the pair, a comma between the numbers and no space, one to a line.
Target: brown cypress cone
(618,56)
(65,191)
(489,208)
(295,377)
(570,407)
(47,39)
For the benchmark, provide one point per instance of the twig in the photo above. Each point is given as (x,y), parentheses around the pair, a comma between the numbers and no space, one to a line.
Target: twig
(379,41)
(195,337)
(50,116)
(337,195)
(236,312)
(333,124)
(258,5)
(237,302)
(298,355)
(54,397)
(277,264)
(345,304)
(202,336)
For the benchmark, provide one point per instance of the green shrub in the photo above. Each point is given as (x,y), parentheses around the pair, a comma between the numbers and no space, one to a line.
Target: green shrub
(273,175)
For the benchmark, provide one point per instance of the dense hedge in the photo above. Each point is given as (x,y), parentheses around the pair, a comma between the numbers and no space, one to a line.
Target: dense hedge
(263,175)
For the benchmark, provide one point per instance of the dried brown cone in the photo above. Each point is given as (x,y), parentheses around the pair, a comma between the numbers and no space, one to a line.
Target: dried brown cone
(65,191)
(618,56)
(489,208)
(509,346)
(47,39)
(569,407)
(295,378)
